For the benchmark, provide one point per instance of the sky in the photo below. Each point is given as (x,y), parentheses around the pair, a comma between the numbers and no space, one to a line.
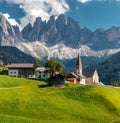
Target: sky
(92,14)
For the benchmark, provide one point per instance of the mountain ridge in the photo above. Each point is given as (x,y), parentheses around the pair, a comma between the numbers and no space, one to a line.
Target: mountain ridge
(69,31)
(45,38)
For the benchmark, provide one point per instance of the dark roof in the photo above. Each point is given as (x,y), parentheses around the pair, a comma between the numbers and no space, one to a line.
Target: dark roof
(56,76)
(89,73)
(74,75)
(56,80)
(20,65)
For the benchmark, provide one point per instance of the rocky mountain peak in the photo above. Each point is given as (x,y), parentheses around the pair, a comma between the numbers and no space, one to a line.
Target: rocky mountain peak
(51,21)
(5,26)
(26,31)
(8,34)
(62,30)
(100,30)
(113,33)
(17,32)
(37,22)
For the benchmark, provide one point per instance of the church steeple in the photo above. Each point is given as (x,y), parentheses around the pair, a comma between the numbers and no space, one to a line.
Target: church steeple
(79,66)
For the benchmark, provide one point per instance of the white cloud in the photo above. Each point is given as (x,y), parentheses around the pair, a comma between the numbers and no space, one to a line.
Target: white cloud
(41,8)
(84,1)
(10,20)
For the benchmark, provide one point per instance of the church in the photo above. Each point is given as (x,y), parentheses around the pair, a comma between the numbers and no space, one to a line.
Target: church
(81,77)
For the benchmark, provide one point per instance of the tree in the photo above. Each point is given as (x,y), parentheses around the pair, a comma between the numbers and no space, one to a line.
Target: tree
(54,66)
(117,83)
(36,63)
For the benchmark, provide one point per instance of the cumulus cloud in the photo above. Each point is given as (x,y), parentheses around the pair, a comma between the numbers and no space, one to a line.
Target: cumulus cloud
(10,20)
(41,8)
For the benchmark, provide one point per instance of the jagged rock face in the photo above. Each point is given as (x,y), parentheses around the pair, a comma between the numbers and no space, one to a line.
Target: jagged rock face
(8,34)
(26,31)
(6,28)
(68,31)
(113,34)
(72,33)
(35,32)
(54,31)
(59,31)
(17,32)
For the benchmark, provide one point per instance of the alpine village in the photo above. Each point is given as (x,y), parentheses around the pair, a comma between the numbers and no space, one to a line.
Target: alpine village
(55,71)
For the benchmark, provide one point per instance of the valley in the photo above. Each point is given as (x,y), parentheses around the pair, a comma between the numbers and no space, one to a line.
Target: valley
(59,61)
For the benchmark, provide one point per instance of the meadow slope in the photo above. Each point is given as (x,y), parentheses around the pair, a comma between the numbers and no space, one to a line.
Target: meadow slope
(22,101)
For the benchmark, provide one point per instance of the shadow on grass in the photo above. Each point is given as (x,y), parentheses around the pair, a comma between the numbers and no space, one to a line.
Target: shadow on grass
(43,86)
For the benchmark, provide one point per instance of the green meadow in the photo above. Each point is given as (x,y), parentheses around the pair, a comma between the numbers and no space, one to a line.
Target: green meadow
(22,101)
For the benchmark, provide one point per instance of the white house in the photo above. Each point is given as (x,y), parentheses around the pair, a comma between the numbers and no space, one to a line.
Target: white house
(21,70)
(42,73)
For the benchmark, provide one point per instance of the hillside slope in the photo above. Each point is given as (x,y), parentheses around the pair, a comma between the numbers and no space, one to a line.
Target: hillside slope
(12,54)
(109,70)
(74,103)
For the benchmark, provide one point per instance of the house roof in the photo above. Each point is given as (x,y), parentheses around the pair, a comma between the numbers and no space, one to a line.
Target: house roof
(74,75)
(89,73)
(77,75)
(42,69)
(55,77)
(20,65)
(81,76)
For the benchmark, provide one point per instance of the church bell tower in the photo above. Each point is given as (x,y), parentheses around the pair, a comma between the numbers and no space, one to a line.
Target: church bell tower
(79,66)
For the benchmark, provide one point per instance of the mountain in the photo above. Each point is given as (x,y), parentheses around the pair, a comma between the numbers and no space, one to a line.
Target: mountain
(9,35)
(60,38)
(109,70)
(67,31)
(12,54)
(53,31)
(63,38)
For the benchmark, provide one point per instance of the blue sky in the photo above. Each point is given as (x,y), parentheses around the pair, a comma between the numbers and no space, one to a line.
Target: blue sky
(96,14)
(92,14)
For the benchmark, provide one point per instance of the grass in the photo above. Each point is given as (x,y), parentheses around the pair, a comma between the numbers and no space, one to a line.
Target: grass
(72,104)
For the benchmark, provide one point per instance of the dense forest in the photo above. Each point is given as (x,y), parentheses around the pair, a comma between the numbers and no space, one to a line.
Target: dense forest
(109,70)
(12,54)
(87,61)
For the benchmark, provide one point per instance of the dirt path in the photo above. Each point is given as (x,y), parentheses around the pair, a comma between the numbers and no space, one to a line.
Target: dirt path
(12,88)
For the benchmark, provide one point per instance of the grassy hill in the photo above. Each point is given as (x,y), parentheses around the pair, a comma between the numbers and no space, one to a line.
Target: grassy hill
(22,101)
